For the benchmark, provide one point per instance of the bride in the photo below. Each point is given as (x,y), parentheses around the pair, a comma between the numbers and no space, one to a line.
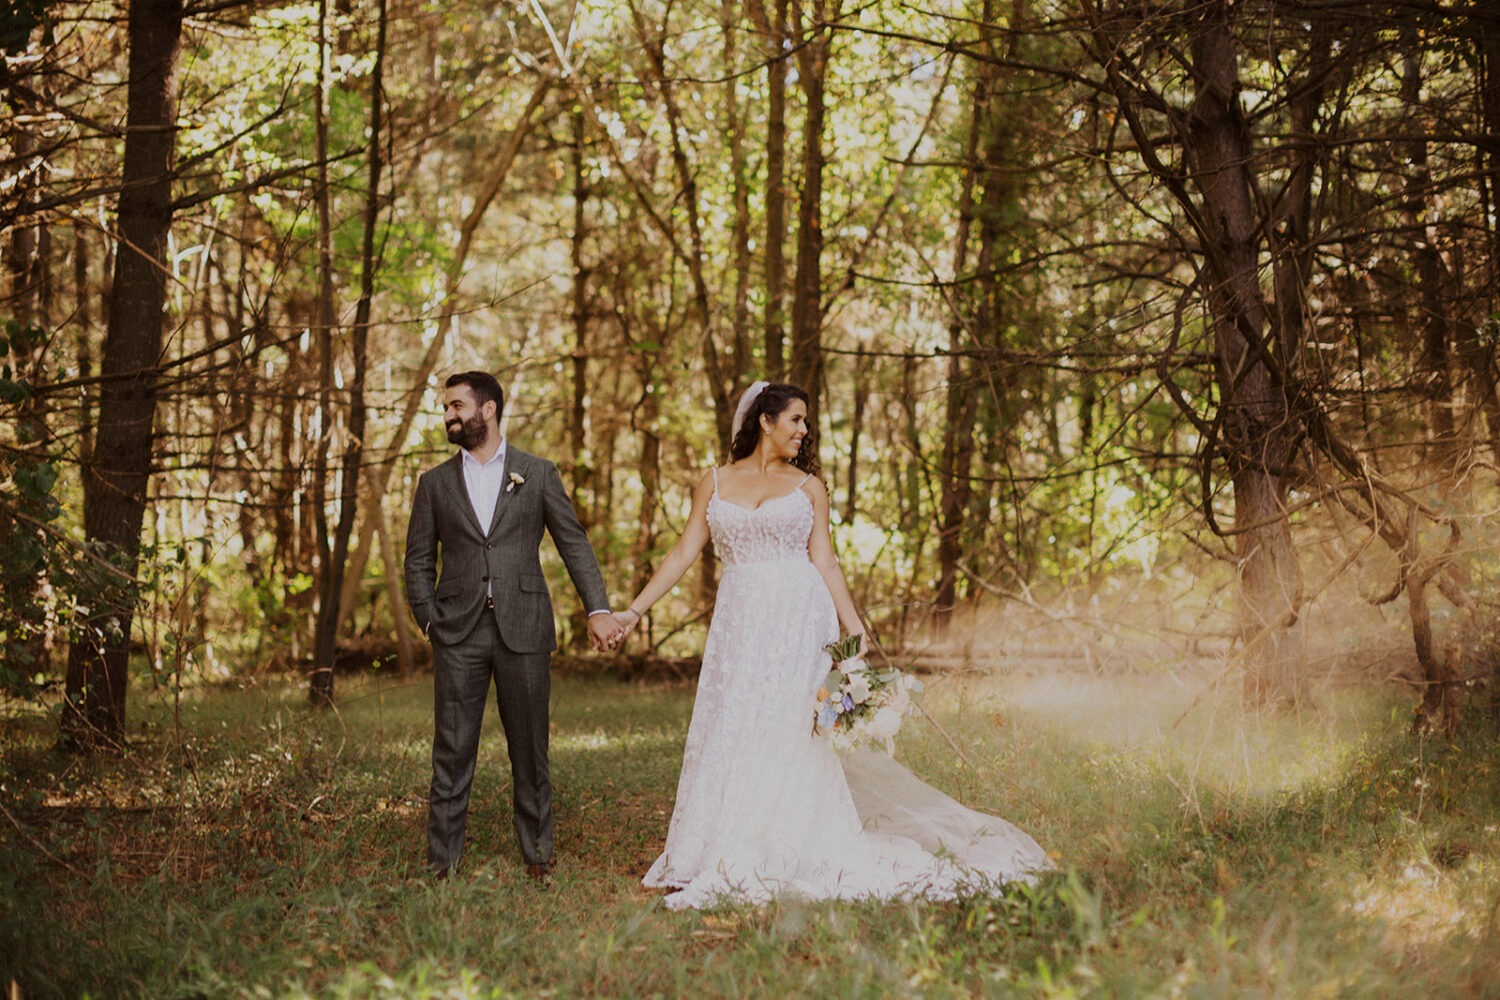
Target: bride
(764,807)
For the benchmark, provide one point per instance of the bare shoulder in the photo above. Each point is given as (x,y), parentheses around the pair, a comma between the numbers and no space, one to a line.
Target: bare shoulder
(706,482)
(813,485)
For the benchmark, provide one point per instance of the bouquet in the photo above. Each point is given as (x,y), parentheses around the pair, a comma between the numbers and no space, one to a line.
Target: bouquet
(857,705)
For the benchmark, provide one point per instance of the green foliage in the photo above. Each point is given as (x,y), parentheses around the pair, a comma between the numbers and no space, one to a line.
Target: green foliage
(28,542)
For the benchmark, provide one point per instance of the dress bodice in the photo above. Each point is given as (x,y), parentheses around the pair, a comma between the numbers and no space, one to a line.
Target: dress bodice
(777,529)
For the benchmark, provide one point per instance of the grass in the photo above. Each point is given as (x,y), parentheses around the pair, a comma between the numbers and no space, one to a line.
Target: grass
(246,847)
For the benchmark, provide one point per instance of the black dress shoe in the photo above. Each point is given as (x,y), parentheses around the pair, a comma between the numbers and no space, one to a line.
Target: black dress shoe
(539,871)
(443,874)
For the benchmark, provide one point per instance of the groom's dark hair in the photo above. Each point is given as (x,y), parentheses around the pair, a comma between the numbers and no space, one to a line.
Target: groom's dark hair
(484,386)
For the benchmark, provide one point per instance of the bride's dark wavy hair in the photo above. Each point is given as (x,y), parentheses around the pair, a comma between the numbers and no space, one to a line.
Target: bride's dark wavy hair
(773,399)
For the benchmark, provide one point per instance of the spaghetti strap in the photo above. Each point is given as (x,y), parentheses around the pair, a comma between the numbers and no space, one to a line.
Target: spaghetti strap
(803,482)
(715,471)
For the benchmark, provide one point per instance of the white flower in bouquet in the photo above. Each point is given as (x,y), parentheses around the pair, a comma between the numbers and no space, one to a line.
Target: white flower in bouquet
(885,723)
(858,687)
(857,705)
(900,698)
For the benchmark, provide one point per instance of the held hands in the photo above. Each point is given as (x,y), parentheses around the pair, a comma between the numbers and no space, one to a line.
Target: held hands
(625,622)
(604,632)
(609,631)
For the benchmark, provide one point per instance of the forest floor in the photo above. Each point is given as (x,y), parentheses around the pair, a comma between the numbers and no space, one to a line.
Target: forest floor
(245,846)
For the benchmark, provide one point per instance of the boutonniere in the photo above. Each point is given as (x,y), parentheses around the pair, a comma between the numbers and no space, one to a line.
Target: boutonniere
(516,479)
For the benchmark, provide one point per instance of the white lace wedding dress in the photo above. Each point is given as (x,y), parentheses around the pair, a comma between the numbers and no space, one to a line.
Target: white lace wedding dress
(765,808)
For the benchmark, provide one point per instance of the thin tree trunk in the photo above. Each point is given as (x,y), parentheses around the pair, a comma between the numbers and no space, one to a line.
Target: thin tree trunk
(739,238)
(1442,699)
(806,368)
(115,481)
(406,648)
(26,259)
(1475,352)
(1488,42)
(329,611)
(1432,310)
(958,424)
(320,688)
(650,471)
(856,432)
(84,341)
(774,25)
(21,260)
(577,463)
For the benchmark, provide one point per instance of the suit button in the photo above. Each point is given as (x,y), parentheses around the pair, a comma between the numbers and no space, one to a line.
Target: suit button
(489,545)
(485,579)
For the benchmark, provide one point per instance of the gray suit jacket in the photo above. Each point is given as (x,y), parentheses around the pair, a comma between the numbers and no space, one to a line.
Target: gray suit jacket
(504,555)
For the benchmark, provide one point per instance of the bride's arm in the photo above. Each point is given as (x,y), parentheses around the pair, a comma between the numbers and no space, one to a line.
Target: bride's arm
(683,555)
(820,550)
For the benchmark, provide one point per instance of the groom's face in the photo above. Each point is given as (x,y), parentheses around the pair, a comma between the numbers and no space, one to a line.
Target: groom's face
(466,421)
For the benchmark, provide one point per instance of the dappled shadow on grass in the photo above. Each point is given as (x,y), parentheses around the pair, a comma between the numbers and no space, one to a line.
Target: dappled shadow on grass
(251,846)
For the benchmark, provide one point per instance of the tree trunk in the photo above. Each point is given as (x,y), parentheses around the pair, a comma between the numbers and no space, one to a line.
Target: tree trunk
(577,463)
(29,295)
(774,26)
(958,423)
(806,368)
(856,432)
(1432,309)
(1477,352)
(84,341)
(739,176)
(22,262)
(650,486)
(1488,43)
(406,653)
(325,645)
(115,480)
(1442,697)
(320,688)
(1255,436)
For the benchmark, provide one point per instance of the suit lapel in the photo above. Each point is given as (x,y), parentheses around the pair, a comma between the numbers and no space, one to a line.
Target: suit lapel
(517,463)
(458,492)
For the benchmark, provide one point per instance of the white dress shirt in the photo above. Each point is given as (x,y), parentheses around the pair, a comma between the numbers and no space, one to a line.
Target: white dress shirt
(483,481)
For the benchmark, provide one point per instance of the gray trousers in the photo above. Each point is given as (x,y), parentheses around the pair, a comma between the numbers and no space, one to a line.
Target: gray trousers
(461,684)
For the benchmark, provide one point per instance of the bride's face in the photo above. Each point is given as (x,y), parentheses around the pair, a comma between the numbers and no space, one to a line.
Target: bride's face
(785,433)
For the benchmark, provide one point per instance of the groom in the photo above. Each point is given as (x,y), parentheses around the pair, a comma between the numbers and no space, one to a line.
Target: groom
(489,615)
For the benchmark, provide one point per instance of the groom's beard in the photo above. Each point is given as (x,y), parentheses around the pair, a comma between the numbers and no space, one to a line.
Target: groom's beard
(468,434)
